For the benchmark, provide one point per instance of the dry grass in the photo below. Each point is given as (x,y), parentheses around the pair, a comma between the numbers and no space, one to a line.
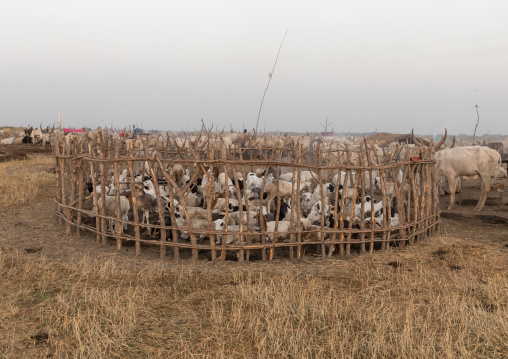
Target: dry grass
(22,181)
(443,298)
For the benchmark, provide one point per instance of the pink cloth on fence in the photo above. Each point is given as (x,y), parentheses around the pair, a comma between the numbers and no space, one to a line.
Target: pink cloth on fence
(69,130)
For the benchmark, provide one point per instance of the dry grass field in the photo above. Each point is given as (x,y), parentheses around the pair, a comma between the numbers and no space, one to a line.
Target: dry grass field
(446,297)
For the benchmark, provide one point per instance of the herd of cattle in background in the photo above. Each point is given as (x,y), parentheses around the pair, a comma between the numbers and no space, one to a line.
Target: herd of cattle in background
(263,199)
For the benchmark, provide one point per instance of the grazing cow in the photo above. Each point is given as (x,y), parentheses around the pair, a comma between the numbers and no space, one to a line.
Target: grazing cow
(469,161)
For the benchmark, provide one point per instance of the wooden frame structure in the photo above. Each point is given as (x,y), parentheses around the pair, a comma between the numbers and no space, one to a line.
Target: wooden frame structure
(408,184)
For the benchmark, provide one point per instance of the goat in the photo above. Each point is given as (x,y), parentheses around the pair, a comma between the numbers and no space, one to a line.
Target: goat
(194,212)
(222,181)
(367,207)
(306,202)
(219,225)
(234,218)
(316,208)
(283,190)
(146,203)
(111,209)
(191,200)
(199,224)
(254,181)
(285,211)
(282,231)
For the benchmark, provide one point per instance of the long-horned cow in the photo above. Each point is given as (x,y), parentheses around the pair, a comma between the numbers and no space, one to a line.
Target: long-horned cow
(469,161)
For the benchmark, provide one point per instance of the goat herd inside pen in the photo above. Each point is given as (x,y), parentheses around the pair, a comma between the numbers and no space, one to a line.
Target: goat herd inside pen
(219,192)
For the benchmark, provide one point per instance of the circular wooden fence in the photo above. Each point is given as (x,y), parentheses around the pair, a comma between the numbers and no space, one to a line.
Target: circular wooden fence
(405,184)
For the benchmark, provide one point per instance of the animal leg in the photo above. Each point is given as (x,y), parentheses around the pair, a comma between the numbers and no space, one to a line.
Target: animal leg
(451,187)
(269,203)
(485,191)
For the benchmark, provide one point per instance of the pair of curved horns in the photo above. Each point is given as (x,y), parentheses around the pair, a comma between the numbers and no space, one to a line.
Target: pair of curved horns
(440,143)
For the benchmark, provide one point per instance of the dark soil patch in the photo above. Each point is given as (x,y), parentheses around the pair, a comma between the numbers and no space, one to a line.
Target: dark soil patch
(40,338)
(6,157)
(395,264)
(33,250)
(450,215)
(493,219)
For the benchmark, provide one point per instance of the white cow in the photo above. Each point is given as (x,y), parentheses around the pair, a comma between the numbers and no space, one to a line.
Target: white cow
(469,161)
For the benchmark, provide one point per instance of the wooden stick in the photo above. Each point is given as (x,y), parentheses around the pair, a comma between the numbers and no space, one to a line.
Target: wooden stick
(135,214)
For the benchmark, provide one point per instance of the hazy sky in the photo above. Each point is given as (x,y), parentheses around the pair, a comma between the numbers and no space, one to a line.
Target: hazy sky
(367,65)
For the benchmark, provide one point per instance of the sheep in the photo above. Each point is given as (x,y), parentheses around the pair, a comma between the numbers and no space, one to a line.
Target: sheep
(306,202)
(219,225)
(258,172)
(199,224)
(312,233)
(367,207)
(194,212)
(253,181)
(311,218)
(191,200)
(307,180)
(316,208)
(186,177)
(329,193)
(222,181)
(7,141)
(123,178)
(150,189)
(176,173)
(285,211)
(349,193)
(234,218)
(394,219)
(284,191)
(220,205)
(111,209)
(283,228)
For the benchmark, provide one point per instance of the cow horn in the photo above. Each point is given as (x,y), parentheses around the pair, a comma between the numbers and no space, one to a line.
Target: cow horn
(453,142)
(440,143)
(415,140)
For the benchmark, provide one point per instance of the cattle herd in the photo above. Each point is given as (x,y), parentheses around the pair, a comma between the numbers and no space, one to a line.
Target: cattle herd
(243,192)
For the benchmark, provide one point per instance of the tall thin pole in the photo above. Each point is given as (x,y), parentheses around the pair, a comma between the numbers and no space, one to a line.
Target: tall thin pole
(477,121)
(270,79)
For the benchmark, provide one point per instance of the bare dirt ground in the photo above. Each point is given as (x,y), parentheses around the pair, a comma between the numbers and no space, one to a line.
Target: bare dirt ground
(64,296)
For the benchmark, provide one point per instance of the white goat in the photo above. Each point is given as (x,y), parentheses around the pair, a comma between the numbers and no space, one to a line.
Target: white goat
(219,225)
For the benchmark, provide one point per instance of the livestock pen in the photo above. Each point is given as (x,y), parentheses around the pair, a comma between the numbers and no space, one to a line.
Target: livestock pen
(364,196)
